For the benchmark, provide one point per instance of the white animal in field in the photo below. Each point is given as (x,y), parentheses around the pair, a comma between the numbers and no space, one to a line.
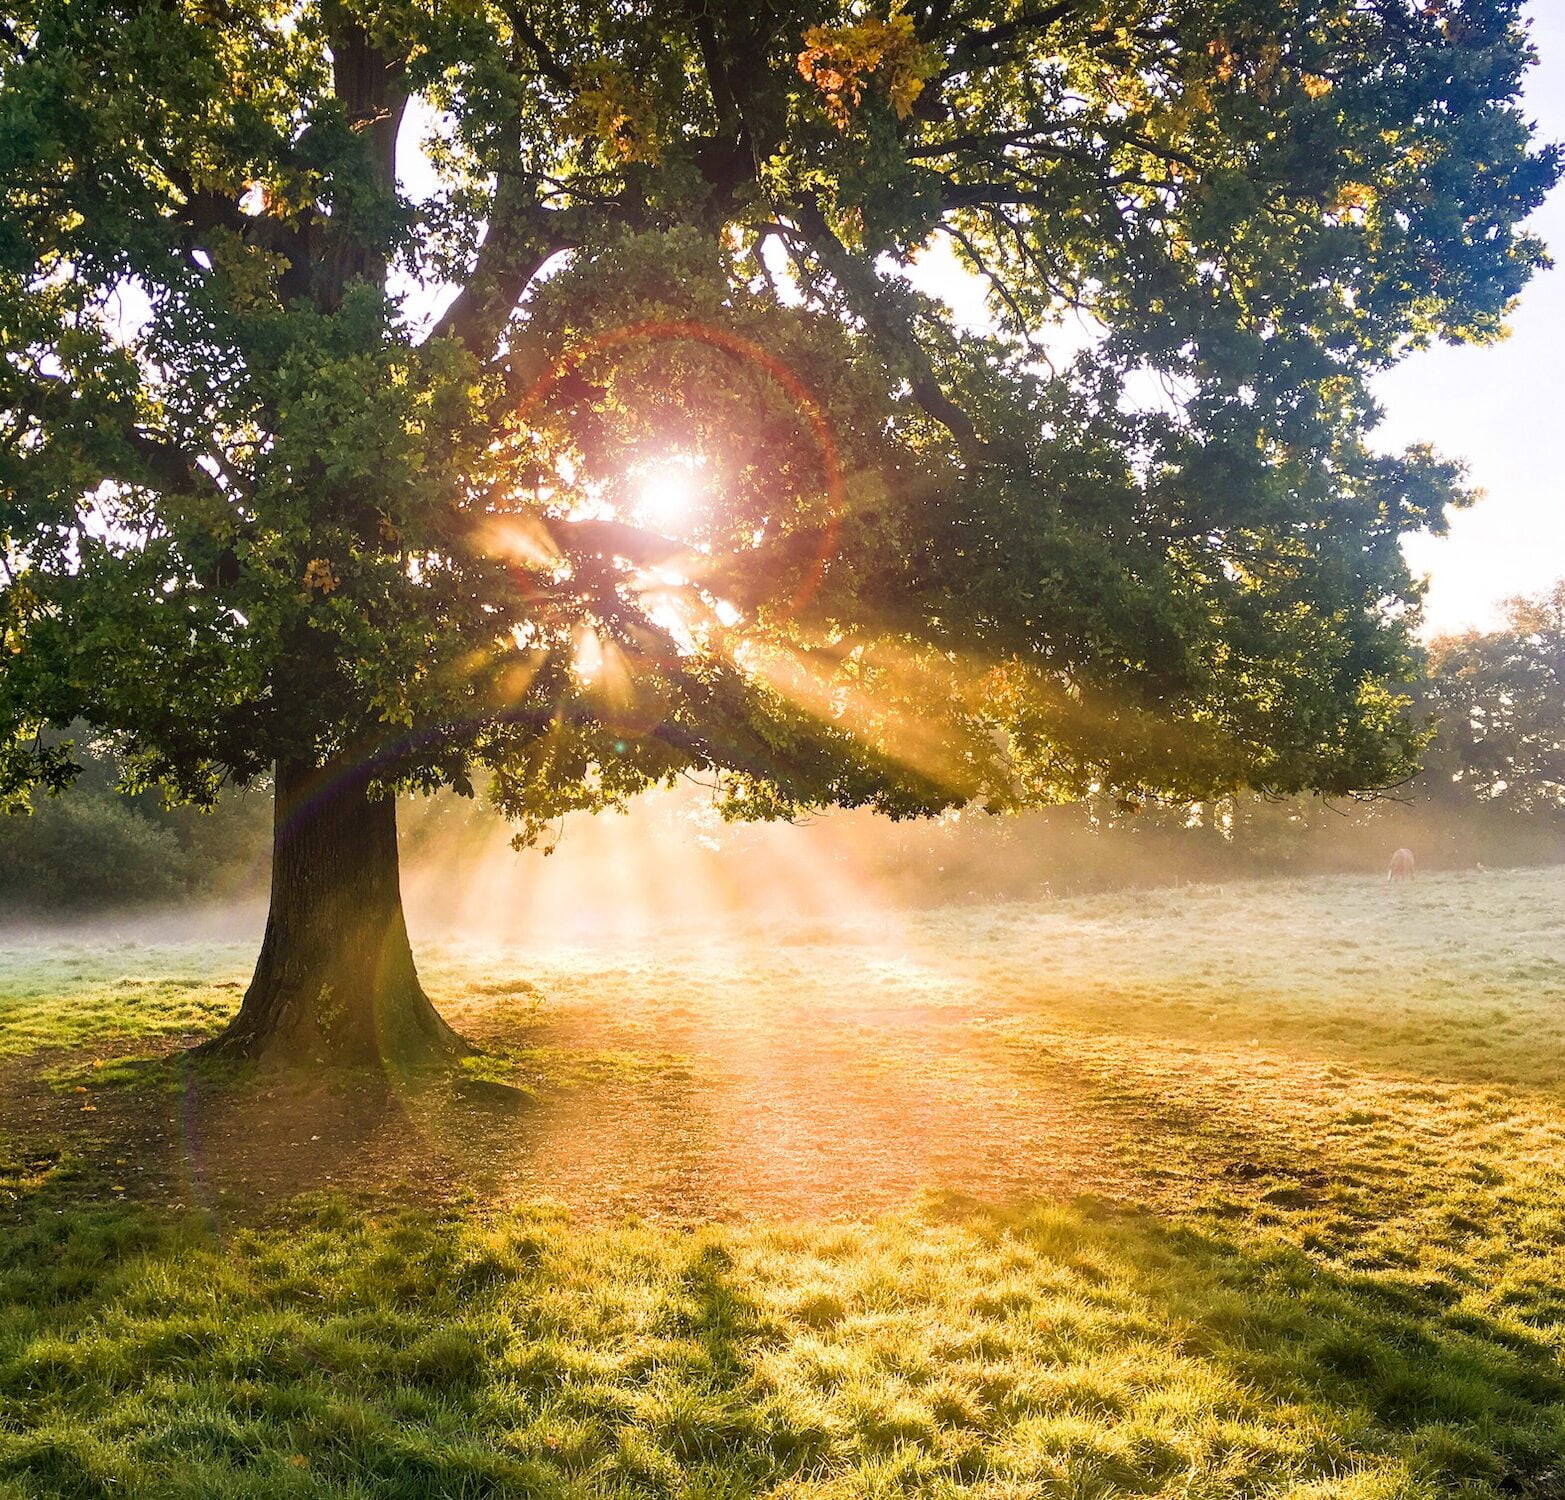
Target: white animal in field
(1401,866)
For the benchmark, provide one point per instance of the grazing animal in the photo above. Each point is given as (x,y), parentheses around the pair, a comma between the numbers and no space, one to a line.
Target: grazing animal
(1401,866)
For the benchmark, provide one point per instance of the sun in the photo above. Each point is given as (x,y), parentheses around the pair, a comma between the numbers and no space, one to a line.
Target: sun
(667,490)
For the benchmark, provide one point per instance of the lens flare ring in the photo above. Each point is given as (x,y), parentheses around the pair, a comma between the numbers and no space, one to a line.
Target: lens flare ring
(673,330)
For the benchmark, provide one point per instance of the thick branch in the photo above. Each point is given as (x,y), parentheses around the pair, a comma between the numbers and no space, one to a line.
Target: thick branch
(369,86)
(151,457)
(992,147)
(615,539)
(521,239)
(543,55)
(971,45)
(859,283)
(744,97)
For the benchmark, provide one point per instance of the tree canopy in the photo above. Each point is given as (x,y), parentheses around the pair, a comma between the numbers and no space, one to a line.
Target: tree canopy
(305,458)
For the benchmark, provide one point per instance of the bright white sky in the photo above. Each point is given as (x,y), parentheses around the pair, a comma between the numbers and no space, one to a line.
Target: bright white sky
(1502,410)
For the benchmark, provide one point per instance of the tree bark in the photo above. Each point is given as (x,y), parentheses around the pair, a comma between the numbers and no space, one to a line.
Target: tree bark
(335,981)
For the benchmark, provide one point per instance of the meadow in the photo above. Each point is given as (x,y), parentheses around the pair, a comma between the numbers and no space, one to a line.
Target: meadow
(1199,1192)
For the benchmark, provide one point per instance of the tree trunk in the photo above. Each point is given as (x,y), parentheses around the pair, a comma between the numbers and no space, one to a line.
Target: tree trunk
(335,982)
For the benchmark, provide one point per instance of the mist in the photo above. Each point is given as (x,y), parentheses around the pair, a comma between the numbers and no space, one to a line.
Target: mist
(670,870)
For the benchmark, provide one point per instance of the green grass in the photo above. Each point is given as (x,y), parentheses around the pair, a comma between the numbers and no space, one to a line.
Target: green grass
(1306,1235)
(73,993)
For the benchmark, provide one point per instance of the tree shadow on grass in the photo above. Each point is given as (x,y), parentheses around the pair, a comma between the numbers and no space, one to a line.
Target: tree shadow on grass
(169,1130)
(1057,1350)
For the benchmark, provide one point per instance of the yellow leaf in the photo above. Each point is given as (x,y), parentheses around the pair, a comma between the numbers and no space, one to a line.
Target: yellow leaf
(319,575)
(839,59)
(613,107)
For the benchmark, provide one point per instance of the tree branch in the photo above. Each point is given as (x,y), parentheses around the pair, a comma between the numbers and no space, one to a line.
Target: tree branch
(164,463)
(963,53)
(860,284)
(522,237)
(604,538)
(543,55)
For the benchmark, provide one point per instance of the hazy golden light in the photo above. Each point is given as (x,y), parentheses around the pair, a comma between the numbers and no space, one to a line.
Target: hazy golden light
(669,870)
(590,657)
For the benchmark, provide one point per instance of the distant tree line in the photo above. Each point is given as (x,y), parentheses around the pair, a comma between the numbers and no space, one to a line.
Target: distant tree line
(1492,786)
(1499,700)
(1492,791)
(101,847)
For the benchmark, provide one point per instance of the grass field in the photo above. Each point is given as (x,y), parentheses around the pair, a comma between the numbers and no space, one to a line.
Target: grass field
(1205,1192)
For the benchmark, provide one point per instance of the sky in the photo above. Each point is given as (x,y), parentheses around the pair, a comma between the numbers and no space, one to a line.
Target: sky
(1500,409)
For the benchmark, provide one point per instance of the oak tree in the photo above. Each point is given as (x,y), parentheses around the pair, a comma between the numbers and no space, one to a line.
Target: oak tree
(547,396)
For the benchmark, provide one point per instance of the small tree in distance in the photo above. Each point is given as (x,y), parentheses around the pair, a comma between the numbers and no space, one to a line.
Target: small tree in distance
(1500,700)
(683,474)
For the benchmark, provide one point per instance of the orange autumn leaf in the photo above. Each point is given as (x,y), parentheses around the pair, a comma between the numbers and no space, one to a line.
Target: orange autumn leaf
(839,60)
